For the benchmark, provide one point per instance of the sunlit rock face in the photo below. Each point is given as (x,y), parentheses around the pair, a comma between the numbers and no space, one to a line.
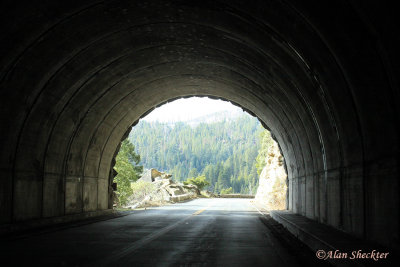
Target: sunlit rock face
(156,188)
(271,192)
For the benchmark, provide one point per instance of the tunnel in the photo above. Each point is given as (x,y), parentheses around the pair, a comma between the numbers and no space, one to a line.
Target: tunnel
(321,76)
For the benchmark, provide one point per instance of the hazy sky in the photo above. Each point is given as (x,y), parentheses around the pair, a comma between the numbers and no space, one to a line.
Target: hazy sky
(188,108)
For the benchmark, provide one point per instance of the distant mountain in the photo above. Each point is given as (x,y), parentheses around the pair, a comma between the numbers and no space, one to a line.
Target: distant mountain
(211,118)
(216,117)
(222,146)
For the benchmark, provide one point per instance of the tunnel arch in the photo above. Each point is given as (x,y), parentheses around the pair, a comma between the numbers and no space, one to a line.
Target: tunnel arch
(76,76)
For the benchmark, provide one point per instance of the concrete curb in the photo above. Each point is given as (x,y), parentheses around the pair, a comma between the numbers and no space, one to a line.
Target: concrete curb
(235,196)
(323,237)
(25,228)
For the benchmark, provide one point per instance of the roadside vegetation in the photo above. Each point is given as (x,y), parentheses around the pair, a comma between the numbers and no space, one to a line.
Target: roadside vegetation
(200,181)
(225,157)
(140,190)
(129,170)
(224,152)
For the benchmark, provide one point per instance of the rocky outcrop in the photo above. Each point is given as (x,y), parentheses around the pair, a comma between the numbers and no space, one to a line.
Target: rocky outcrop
(152,174)
(160,191)
(271,192)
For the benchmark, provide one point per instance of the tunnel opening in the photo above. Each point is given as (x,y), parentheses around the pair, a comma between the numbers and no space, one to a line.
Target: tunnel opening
(217,146)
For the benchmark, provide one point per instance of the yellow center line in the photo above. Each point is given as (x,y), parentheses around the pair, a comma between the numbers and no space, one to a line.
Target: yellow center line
(198,212)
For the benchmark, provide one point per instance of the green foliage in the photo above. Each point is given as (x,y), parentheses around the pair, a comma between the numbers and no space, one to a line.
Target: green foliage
(227,191)
(193,173)
(266,142)
(224,177)
(141,189)
(128,170)
(225,152)
(199,181)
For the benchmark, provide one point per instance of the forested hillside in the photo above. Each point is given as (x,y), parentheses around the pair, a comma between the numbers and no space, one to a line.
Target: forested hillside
(225,151)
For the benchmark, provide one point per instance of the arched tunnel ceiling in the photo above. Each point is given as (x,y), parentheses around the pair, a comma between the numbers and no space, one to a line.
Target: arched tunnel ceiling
(77,75)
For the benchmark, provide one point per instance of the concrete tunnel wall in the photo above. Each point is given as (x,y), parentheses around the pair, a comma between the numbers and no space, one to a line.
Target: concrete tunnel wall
(75,75)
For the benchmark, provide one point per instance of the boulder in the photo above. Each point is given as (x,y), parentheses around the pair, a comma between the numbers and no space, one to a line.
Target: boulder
(161,190)
(192,188)
(150,175)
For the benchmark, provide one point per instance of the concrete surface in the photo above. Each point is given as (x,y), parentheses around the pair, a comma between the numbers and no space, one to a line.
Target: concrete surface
(322,76)
(202,232)
(235,196)
(319,236)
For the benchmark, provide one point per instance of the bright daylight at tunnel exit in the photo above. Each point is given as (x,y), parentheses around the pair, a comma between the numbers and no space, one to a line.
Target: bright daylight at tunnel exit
(199,147)
(283,148)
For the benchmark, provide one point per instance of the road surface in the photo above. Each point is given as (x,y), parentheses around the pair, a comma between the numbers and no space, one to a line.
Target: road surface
(202,232)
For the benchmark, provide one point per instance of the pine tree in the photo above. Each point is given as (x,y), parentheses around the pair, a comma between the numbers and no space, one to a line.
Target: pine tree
(128,170)
(224,152)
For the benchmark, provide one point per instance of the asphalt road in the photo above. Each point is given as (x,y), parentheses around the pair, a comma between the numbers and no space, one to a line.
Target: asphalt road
(202,232)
